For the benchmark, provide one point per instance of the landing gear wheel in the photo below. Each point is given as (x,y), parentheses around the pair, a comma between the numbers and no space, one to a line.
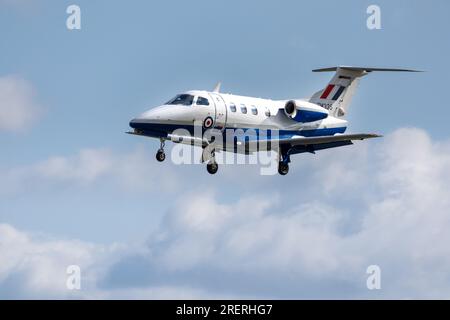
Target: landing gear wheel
(283,168)
(212,167)
(160,155)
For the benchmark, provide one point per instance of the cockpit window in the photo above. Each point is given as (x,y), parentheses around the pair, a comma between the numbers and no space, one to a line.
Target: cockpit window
(182,99)
(202,101)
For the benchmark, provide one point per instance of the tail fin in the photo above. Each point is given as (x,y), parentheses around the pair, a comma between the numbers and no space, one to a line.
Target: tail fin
(337,95)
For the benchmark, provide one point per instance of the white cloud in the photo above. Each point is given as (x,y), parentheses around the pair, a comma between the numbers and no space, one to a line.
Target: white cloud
(18,106)
(35,266)
(392,211)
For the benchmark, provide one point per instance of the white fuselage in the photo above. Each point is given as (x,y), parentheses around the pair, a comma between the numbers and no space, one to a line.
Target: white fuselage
(211,110)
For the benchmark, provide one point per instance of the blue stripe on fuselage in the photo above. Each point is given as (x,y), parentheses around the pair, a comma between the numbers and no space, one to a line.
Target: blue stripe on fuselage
(158,130)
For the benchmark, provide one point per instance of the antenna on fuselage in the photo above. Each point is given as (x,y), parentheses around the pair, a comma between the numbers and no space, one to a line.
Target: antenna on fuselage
(217,87)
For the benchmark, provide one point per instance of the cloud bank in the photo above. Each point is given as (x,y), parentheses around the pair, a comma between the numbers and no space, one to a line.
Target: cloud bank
(385,204)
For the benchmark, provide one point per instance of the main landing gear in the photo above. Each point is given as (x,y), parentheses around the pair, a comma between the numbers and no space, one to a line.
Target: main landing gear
(160,155)
(283,163)
(283,168)
(212,165)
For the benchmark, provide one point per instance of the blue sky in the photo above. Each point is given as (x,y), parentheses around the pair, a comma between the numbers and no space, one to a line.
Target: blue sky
(71,174)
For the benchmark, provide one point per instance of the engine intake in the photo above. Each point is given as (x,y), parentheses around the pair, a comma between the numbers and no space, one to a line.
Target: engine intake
(290,108)
(303,111)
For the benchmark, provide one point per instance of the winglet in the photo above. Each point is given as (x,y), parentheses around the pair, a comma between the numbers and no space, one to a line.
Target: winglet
(217,87)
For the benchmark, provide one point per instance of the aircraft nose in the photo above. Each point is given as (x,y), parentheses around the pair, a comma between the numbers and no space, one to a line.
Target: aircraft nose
(155,114)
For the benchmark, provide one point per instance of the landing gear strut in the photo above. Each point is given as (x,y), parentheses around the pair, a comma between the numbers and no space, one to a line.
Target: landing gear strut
(160,155)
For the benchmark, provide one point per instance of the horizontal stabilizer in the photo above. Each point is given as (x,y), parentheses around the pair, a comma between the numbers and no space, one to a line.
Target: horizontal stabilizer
(364,69)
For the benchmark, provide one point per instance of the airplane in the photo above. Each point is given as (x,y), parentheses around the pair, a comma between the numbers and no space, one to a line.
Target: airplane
(287,127)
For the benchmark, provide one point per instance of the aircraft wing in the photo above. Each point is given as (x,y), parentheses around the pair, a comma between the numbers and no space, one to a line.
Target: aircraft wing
(305,141)
(310,144)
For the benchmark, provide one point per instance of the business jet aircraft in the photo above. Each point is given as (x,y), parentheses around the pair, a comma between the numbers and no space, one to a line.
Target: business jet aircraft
(286,126)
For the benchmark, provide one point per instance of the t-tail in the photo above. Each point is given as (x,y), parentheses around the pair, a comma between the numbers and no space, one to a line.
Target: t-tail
(336,96)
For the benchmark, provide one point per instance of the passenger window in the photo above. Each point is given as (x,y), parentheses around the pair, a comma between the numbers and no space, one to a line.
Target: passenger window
(232,107)
(254,110)
(202,101)
(243,109)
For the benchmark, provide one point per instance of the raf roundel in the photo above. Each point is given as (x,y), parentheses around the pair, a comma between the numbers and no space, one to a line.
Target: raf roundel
(208,123)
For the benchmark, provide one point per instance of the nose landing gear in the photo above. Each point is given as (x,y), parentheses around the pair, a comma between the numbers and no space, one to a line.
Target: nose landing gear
(160,155)
(209,154)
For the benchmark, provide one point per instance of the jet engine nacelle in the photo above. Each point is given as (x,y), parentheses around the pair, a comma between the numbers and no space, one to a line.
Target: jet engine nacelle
(303,111)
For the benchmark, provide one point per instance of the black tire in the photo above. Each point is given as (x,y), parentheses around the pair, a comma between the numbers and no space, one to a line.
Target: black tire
(212,167)
(283,168)
(160,156)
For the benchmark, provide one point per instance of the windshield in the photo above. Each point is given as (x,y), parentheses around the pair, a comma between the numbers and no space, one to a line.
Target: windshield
(182,99)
